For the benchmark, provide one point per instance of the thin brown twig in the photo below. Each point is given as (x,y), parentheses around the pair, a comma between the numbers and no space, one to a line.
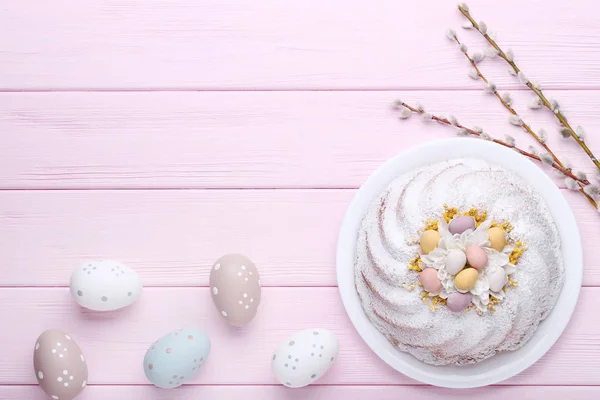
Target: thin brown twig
(510,109)
(557,113)
(532,156)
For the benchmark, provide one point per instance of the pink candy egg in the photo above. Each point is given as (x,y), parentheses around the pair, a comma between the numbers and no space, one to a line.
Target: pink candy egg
(457,302)
(430,280)
(460,224)
(476,257)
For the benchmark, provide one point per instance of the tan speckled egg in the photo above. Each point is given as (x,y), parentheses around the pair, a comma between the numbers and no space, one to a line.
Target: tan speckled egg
(497,238)
(235,288)
(59,365)
(429,241)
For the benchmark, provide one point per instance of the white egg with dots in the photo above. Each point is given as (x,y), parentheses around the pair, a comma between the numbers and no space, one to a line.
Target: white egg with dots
(304,357)
(105,285)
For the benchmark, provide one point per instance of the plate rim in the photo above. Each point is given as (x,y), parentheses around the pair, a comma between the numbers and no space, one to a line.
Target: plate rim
(556,322)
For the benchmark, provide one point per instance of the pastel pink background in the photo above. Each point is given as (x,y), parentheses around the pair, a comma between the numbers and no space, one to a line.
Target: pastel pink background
(165,133)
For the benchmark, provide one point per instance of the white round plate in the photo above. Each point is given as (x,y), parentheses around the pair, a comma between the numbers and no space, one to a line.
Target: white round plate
(501,366)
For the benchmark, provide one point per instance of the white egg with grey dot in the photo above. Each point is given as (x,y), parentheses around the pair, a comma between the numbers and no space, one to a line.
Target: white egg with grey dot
(294,362)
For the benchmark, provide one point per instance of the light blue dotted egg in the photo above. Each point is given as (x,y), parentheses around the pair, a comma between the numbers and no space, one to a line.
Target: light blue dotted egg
(176,357)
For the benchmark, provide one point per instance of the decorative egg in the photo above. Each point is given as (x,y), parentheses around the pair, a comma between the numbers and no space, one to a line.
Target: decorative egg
(465,280)
(176,357)
(455,261)
(304,357)
(105,285)
(457,302)
(497,238)
(460,224)
(429,241)
(59,365)
(235,288)
(497,278)
(476,257)
(429,279)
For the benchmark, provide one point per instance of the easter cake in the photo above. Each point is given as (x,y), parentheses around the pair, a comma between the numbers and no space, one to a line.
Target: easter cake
(458,261)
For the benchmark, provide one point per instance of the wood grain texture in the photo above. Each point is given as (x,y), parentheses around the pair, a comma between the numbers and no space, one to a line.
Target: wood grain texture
(173,237)
(114,344)
(249,139)
(313,392)
(149,44)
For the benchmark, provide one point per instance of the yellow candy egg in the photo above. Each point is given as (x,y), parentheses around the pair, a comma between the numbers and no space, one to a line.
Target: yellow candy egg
(429,241)
(465,279)
(497,238)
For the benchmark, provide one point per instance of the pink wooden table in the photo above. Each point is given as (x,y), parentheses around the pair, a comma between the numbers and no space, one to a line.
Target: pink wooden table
(165,133)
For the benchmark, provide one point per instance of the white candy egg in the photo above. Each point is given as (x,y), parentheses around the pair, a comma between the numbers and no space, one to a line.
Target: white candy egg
(105,285)
(497,278)
(304,357)
(176,357)
(455,261)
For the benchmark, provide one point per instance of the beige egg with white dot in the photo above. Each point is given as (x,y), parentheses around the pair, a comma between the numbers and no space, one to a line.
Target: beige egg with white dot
(59,365)
(235,288)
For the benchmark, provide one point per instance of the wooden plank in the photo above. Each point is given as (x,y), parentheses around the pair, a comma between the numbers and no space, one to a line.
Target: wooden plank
(149,44)
(114,343)
(314,392)
(249,139)
(173,237)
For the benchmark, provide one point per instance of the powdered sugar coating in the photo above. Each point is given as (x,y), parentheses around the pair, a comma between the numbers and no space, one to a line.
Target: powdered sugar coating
(387,241)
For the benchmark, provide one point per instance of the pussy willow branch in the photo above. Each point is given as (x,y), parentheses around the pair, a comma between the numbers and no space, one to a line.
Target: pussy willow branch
(557,113)
(510,109)
(505,144)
